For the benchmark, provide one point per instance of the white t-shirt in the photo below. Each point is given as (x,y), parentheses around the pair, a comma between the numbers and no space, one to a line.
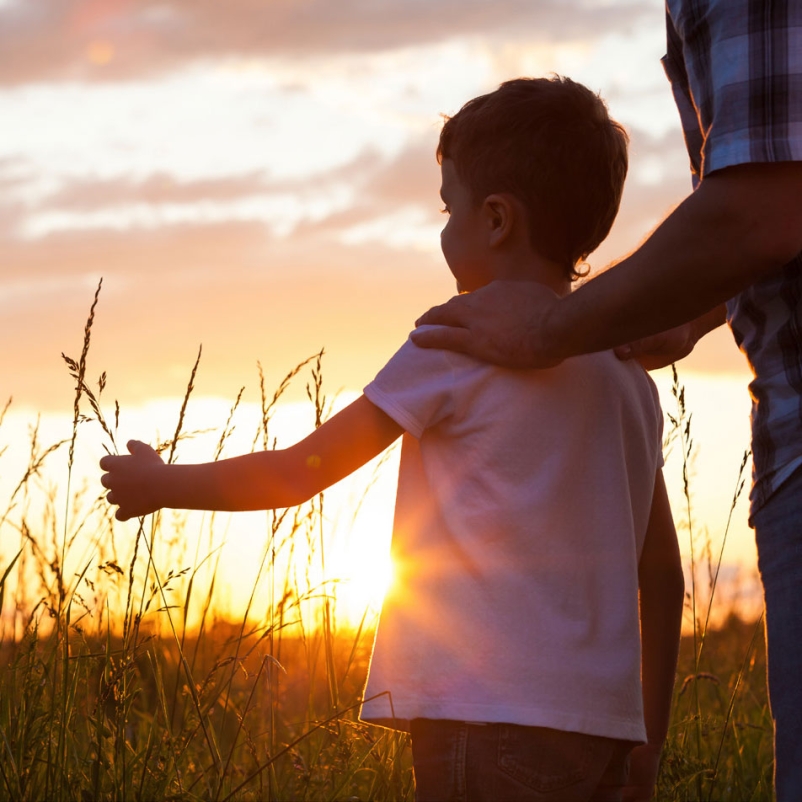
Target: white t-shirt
(523,500)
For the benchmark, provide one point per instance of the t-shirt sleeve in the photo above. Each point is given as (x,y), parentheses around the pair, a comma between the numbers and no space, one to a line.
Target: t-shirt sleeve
(415,388)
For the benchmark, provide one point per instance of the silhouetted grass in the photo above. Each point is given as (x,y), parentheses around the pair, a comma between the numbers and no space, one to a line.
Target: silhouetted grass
(120,681)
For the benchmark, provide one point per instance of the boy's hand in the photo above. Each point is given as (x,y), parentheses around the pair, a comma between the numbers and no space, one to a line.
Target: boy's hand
(133,480)
(644,762)
(502,323)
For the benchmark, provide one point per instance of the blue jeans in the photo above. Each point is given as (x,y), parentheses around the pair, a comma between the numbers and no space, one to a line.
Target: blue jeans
(459,762)
(778,531)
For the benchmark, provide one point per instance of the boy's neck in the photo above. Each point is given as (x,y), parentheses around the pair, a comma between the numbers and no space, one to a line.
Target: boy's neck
(526,265)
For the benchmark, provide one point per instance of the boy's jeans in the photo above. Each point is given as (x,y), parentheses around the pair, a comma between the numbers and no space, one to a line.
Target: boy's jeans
(459,762)
(778,531)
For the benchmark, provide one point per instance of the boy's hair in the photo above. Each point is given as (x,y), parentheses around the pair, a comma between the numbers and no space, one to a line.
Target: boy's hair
(551,143)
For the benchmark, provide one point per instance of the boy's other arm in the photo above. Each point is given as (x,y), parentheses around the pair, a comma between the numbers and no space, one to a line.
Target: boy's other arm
(142,483)
(742,223)
(662,591)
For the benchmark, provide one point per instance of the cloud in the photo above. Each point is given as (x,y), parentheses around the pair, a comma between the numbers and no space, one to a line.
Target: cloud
(383,188)
(370,185)
(406,178)
(380,188)
(12,209)
(658,180)
(85,40)
(90,195)
(247,294)
(413,176)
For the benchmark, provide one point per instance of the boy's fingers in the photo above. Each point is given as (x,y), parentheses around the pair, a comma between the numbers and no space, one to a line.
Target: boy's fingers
(143,451)
(446,337)
(111,463)
(137,447)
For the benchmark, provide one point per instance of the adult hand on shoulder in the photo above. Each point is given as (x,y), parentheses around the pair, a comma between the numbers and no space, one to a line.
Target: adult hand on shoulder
(503,323)
(661,349)
(132,480)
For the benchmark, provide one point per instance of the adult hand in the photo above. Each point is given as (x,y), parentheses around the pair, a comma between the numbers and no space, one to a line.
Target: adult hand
(662,349)
(644,762)
(133,480)
(503,323)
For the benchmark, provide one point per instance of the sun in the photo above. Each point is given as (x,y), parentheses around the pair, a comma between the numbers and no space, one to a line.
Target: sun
(368,581)
(358,558)
(361,579)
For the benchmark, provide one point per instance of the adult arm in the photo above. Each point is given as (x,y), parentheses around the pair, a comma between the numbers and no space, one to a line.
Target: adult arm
(742,223)
(662,591)
(142,483)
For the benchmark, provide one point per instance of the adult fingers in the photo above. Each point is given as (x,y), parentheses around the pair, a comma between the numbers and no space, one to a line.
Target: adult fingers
(652,352)
(452,313)
(647,345)
(447,338)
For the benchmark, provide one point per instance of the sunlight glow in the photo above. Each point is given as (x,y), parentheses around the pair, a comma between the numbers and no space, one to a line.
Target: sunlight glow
(250,565)
(254,567)
(365,580)
(100,52)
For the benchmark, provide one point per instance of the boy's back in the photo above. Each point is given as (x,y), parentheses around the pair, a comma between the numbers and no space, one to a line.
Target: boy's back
(520,516)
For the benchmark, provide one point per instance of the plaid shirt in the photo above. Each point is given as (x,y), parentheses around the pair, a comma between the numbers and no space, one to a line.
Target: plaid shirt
(735,68)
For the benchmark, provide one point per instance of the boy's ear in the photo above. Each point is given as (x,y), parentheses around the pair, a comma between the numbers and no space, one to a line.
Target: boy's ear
(500,213)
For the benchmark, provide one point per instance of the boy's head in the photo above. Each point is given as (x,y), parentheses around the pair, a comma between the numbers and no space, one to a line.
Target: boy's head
(551,144)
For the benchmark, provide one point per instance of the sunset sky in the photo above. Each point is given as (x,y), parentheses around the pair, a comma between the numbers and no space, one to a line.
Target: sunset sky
(259,178)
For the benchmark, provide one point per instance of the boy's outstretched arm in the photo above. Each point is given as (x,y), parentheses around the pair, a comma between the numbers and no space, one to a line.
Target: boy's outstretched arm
(662,592)
(142,483)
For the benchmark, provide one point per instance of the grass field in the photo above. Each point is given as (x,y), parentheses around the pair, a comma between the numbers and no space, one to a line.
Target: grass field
(110,689)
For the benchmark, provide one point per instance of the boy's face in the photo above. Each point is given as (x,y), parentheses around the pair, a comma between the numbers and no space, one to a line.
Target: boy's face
(462,241)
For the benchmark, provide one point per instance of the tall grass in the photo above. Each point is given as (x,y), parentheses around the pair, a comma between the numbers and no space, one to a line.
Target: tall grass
(720,742)
(109,691)
(120,680)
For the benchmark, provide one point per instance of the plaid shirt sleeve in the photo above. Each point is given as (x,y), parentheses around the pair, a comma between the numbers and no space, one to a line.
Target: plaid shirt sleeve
(735,68)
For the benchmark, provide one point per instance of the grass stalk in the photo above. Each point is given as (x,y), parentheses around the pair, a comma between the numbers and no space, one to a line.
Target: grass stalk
(108,692)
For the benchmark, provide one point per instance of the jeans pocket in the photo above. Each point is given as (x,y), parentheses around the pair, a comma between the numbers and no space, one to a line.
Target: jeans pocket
(547,760)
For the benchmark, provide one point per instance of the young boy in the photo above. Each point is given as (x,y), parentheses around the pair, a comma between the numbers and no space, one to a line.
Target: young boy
(531,506)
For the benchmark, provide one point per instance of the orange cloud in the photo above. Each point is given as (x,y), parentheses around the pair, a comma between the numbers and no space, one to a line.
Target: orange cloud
(49,40)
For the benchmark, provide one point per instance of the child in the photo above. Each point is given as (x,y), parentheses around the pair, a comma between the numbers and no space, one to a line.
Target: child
(531,506)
